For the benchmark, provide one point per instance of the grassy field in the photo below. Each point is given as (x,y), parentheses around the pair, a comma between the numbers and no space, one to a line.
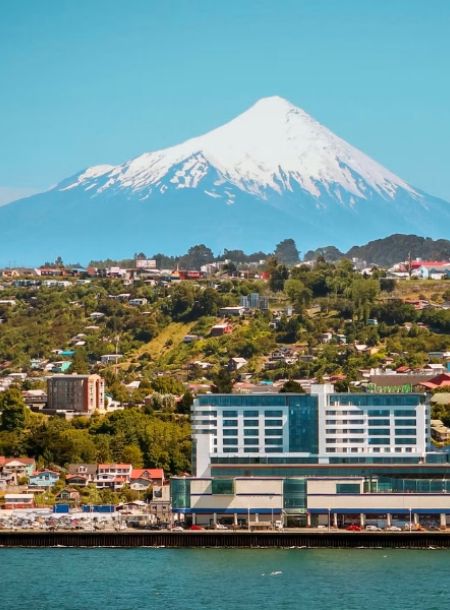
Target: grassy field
(429,289)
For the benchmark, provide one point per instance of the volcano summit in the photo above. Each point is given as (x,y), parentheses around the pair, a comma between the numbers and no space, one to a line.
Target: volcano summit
(272,172)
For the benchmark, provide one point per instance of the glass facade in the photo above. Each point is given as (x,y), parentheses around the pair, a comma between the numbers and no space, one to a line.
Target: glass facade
(224,487)
(294,495)
(180,493)
(303,424)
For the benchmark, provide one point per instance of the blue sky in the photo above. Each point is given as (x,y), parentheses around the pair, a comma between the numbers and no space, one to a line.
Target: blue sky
(100,81)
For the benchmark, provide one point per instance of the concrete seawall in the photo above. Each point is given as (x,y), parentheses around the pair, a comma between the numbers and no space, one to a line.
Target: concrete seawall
(215,539)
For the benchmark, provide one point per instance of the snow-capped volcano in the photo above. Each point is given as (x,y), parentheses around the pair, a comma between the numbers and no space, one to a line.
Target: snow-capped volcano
(273,146)
(272,172)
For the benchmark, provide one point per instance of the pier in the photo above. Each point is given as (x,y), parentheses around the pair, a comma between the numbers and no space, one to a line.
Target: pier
(226,539)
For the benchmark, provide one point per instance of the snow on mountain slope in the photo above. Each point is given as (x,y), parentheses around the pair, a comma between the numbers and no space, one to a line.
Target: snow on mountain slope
(273,146)
(272,172)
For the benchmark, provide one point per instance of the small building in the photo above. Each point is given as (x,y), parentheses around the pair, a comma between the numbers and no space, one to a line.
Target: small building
(14,501)
(233,310)
(80,393)
(68,495)
(154,475)
(218,330)
(44,479)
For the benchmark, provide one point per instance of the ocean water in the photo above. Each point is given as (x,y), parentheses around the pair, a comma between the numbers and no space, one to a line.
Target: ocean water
(191,579)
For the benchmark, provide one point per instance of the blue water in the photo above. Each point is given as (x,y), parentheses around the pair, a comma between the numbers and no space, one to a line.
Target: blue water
(188,579)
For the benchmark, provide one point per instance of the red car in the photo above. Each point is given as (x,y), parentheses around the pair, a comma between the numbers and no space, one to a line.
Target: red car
(196,528)
(353,528)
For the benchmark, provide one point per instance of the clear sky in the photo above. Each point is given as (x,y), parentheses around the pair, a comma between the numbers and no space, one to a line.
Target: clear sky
(85,82)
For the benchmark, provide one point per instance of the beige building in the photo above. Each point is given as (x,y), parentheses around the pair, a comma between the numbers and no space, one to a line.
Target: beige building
(79,393)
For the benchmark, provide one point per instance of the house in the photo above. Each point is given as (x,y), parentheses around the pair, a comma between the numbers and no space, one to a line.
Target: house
(155,476)
(13,501)
(114,476)
(234,364)
(19,467)
(234,310)
(440,381)
(218,330)
(439,432)
(81,474)
(68,495)
(159,505)
(43,479)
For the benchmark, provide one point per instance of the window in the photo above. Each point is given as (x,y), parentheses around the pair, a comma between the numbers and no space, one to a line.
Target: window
(405,412)
(274,432)
(229,413)
(405,422)
(348,488)
(378,431)
(251,413)
(230,432)
(230,449)
(379,441)
(230,441)
(251,449)
(222,487)
(212,413)
(378,412)
(230,422)
(274,441)
(251,422)
(410,440)
(274,422)
(379,422)
(405,432)
(273,413)
(251,432)
(251,441)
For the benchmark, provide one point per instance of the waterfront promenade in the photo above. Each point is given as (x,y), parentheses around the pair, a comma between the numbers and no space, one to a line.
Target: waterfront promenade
(227,539)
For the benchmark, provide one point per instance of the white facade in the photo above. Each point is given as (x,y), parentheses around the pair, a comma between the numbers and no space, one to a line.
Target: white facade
(325,426)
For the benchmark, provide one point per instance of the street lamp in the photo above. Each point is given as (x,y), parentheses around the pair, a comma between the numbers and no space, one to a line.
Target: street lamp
(410,524)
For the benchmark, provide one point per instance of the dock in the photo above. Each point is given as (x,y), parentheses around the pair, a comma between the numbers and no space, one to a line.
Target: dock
(226,539)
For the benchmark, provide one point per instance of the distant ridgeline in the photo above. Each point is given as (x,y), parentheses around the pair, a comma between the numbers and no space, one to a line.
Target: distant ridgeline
(383,252)
(389,250)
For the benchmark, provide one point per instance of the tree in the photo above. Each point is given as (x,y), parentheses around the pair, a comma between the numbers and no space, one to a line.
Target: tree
(222,382)
(286,252)
(12,411)
(291,386)
(184,405)
(278,275)
(80,363)
(297,292)
(196,257)
(131,454)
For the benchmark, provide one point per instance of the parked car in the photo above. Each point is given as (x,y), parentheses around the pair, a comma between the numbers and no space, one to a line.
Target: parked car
(196,528)
(393,528)
(353,528)
(373,528)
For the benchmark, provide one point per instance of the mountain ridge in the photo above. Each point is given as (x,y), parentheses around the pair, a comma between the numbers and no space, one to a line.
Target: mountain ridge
(270,172)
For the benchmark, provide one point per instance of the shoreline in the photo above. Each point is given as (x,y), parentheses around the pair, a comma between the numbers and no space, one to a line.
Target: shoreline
(225,539)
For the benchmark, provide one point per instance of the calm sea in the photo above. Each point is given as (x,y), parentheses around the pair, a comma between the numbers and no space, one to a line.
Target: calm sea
(163,579)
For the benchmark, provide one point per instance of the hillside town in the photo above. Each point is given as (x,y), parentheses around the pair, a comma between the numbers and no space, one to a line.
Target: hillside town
(135,390)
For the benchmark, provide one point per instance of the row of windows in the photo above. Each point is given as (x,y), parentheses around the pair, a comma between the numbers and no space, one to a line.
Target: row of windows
(374,412)
(372,422)
(269,413)
(345,431)
(252,450)
(344,422)
(253,441)
(253,432)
